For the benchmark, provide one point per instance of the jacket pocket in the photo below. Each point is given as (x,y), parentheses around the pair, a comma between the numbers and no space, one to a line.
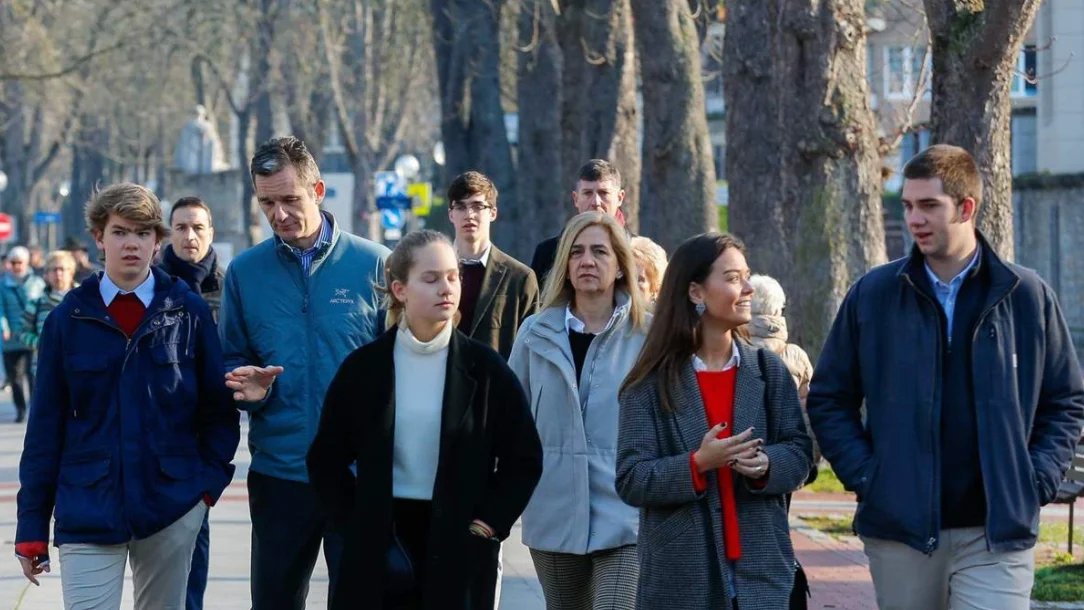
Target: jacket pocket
(672,528)
(179,467)
(83,504)
(174,372)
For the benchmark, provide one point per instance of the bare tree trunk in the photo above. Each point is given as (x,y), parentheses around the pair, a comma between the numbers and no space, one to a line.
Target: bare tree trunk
(250,210)
(466,39)
(265,37)
(599,116)
(88,169)
(975,46)
(678,178)
(805,187)
(543,190)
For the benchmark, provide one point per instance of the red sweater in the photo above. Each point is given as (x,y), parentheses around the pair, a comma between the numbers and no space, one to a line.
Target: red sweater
(717,388)
(128,312)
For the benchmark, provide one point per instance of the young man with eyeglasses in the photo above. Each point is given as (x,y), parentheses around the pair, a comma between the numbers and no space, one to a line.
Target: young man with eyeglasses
(499,292)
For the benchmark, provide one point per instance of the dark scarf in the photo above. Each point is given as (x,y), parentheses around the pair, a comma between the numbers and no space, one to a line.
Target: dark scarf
(201,276)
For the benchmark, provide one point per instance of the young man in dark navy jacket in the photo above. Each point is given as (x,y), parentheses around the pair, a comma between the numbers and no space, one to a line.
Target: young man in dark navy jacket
(973,400)
(133,429)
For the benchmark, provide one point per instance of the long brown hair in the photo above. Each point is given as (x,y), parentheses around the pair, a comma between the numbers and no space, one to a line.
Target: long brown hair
(675,330)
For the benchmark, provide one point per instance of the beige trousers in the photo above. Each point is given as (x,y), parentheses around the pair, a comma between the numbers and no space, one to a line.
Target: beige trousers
(960,575)
(92,575)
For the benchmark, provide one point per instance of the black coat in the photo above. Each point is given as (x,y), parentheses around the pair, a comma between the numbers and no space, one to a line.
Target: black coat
(490,461)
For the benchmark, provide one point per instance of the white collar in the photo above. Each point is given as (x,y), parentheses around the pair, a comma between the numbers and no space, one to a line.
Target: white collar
(109,291)
(735,359)
(576,324)
(484,258)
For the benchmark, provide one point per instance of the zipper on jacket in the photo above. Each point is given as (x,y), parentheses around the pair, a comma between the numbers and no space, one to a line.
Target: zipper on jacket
(931,542)
(993,336)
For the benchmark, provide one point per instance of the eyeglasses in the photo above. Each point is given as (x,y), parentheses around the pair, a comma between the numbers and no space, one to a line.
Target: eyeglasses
(476,208)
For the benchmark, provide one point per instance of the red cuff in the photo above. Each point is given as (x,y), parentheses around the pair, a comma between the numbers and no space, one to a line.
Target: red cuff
(32,550)
(207,500)
(760,483)
(700,482)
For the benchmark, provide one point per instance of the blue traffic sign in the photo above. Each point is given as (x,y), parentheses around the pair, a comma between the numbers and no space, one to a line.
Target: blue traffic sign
(46,218)
(392,219)
(396,202)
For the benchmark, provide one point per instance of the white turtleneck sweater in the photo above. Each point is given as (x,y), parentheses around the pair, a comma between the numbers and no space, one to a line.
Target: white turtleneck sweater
(419,401)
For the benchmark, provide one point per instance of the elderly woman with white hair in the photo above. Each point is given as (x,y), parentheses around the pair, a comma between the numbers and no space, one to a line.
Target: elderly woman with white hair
(768,329)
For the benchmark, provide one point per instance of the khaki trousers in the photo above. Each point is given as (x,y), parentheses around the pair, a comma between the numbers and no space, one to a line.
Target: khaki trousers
(92,575)
(960,575)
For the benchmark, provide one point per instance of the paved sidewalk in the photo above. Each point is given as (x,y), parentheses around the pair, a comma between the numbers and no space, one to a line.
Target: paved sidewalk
(838,571)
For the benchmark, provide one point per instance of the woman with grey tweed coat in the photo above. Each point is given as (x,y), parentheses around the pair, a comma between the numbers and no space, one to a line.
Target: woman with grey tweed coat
(710,441)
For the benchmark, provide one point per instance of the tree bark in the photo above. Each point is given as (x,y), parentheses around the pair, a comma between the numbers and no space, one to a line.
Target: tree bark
(678,177)
(88,169)
(805,187)
(265,38)
(975,47)
(599,115)
(543,190)
(466,41)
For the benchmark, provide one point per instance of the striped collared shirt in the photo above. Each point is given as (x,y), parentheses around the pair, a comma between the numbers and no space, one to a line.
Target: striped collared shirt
(306,256)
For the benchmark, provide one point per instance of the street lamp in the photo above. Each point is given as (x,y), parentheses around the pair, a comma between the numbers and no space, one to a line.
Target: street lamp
(408,166)
(3,181)
(64,189)
(438,153)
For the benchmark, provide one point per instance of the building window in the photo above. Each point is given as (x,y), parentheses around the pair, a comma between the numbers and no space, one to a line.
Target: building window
(903,72)
(1023,80)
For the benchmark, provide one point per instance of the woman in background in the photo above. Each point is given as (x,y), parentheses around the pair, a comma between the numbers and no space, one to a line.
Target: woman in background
(571,358)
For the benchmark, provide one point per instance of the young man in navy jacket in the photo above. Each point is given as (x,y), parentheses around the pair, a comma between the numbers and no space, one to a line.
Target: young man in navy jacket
(133,429)
(973,402)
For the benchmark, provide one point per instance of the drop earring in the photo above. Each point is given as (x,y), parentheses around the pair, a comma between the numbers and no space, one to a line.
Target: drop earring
(700,309)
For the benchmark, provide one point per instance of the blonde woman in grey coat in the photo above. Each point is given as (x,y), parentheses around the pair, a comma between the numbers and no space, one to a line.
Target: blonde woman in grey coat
(711,440)
(571,359)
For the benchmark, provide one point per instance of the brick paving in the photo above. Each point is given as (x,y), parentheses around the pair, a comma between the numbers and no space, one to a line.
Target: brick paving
(838,571)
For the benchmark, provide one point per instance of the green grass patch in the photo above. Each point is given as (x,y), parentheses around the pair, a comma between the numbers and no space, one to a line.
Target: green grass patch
(826,481)
(1058,533)
(724,219)
(1059,583)
(833,526)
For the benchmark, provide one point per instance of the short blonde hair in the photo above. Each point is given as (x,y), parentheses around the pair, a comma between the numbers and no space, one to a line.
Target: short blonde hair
(132,202)
(652,258)
(558,291)
(60,256)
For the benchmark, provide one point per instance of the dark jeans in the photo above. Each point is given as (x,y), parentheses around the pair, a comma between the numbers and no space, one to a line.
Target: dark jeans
(287,528)
(412,527)
(17,369)
(201,559)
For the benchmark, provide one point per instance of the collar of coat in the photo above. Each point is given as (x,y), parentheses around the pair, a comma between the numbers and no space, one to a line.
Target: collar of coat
(1003,280)
(551,321)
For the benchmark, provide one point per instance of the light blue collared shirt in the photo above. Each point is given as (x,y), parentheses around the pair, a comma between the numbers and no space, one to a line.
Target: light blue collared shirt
(109,291)
(307,256)
(947,293)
